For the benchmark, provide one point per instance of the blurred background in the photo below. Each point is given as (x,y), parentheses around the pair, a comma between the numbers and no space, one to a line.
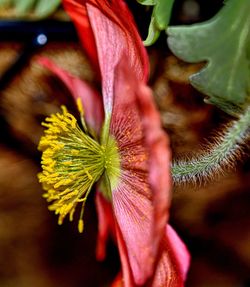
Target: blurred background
(213,219)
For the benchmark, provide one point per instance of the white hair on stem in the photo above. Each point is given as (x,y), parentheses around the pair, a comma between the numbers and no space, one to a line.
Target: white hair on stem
(217,158)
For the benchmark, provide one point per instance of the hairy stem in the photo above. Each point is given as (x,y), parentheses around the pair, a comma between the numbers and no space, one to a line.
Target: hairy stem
(218,157)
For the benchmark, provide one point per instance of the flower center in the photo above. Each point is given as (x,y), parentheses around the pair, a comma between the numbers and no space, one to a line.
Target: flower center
(72,161)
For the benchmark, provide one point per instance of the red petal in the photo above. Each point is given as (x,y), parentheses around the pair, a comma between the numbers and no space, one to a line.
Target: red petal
(106,225)
(115,35)
(79,89)
(78,13)
(126,277)
(171,269)
(142,197)
(174,262)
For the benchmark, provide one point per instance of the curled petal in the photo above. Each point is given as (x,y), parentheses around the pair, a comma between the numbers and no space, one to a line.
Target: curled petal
(79,89)
(171,268)
(115,34)
(141,197)
(173,265)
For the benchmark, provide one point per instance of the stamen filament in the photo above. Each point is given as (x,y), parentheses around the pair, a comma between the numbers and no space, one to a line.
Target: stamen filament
(71,161)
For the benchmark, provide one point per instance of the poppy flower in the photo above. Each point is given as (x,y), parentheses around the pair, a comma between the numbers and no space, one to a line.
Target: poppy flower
(120,146)
(129,159)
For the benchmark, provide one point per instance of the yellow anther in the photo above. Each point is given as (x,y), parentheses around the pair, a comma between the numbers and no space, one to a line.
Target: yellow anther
(51,197)
(53,207)
(60,220)
(67,190)
(61,210)
(80,226)
(62,182)
(51,191)
(48,168)
(71,214)
(67,208)
(70,122)
(80,106)
(55,174)
(69,195)
(67,162)
(48,161)
(46,124)
(64,109)
(48,153)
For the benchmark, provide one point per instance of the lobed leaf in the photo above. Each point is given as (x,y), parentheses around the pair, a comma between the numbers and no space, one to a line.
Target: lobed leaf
(224,43)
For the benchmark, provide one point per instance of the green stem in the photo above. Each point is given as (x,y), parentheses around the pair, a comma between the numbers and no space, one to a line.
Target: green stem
(219,157)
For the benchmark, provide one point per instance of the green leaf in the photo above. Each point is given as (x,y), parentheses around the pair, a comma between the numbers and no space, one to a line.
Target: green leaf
(159,19)
(153,33)
(224,42)
(162,13)
(30,8)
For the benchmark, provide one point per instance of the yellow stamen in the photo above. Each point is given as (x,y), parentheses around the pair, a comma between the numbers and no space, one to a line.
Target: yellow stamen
(71,214)
(80,226)
(81,111)
(80,106)
(71,162)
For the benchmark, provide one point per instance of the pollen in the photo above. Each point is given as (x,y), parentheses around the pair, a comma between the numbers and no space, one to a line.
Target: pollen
(72,162)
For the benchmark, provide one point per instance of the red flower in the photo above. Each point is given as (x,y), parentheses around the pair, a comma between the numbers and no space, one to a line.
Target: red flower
(134,197)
